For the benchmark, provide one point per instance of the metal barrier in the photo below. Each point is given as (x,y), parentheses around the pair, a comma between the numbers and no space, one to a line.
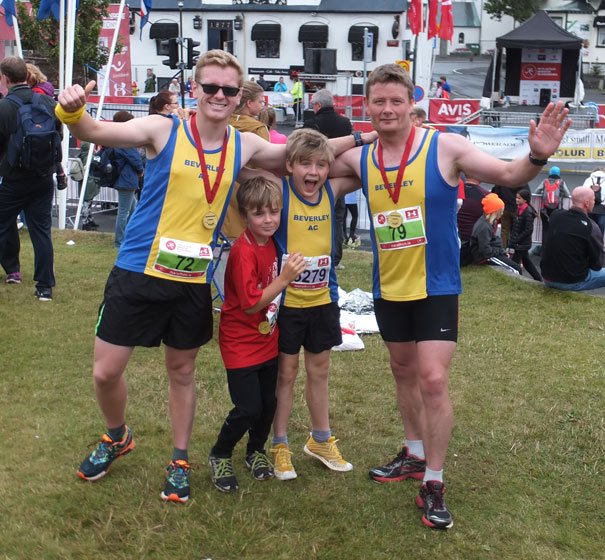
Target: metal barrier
(579,121)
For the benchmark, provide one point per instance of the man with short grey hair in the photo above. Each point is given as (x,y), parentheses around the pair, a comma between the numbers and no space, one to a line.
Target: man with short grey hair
(333,125)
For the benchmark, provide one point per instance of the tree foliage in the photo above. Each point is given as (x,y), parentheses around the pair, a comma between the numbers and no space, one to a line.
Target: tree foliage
(519,10)
(41,38)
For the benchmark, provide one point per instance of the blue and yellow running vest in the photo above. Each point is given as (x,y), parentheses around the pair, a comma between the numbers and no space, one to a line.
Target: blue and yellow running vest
(415,242)
(309,228)
(174,229)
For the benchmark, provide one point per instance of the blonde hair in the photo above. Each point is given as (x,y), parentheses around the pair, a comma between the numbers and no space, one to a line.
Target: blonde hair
(250,91)
(220,58)
(34,75)
(390,73)
(306,143)
(491,218)
(258,193)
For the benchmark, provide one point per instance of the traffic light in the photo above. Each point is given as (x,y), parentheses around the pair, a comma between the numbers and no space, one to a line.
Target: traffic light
(173,54)
(192,54)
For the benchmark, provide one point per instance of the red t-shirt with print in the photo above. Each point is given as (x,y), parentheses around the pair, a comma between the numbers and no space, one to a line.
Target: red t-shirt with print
(250,269)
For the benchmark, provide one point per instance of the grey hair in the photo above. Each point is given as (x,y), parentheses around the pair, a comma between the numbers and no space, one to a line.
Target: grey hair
(323,97)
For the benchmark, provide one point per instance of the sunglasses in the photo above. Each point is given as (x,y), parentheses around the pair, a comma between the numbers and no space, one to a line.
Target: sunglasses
(211,89)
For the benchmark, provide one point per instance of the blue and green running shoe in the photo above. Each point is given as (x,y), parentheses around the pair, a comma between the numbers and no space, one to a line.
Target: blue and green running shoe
(107,451)
(177,482)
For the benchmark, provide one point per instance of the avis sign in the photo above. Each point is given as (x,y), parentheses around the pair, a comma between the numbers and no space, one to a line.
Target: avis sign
(452,111)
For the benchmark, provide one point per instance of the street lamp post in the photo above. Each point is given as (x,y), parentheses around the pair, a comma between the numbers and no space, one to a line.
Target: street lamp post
(181,51)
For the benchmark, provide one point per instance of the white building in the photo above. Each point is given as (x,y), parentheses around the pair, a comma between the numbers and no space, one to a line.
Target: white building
(272,37)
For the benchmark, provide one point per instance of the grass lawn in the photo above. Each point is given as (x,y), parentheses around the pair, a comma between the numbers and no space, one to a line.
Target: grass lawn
(525,463)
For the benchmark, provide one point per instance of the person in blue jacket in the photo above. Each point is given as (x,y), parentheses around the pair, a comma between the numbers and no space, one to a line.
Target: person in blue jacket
(131,168)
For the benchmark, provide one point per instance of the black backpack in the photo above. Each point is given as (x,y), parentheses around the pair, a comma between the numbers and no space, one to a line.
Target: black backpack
(36,144)
(104,167)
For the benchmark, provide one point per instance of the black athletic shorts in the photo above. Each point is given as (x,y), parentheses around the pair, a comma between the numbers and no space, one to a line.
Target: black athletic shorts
(314,328)
(141,310)
(432,318)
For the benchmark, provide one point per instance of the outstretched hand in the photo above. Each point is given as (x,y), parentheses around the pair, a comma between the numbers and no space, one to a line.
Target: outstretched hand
(74,97)
(545,137)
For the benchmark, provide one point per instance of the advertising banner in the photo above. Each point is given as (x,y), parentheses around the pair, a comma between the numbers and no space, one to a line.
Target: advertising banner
(540,70)
(451,111)
(120,75)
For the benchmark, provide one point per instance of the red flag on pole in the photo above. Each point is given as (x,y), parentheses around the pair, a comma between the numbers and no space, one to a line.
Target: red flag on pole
(446,26)
(432,27)
(415,16)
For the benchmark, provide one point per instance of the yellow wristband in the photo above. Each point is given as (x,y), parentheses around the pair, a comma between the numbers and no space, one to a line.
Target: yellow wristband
(69,118)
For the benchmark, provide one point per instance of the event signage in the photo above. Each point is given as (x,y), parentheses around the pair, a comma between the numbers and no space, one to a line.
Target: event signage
(540,70)
(120,76)
(451,111)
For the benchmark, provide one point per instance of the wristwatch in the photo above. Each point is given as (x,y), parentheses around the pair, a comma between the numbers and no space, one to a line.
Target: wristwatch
(357,137)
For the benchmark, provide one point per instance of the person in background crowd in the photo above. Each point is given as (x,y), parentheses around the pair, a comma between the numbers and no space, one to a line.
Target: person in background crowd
(553,190)
(418,115)
(30,190)
(267,117)
(150,82)
(351,208)
(130,164)
(471,209)
(280,86)
(573,257)
(596,182)
(445,86)
(245,117)
(297,95)
(509,196)
(174,86)
(486,247)
(521,234)
(262,82)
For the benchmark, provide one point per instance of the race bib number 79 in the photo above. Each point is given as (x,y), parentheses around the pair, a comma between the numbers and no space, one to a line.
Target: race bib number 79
(399,229)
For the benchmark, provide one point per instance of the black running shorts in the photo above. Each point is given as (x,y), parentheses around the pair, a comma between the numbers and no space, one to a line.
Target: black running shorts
(141,310)
(314,328)
(432,318)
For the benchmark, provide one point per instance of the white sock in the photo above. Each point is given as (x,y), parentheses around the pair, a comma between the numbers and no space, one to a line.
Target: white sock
(436,476)
(415,447)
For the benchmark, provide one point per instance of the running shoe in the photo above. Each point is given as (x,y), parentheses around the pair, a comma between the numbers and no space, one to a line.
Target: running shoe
(328,453)
(430,499)
(177,482)
(13,278)
(282,461)
(223,476)
(403,466)
(44,295)
(260,466)
(107,451)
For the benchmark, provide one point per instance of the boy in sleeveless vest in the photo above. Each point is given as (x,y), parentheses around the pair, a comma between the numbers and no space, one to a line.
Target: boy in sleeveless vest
(410,178)
(310,316)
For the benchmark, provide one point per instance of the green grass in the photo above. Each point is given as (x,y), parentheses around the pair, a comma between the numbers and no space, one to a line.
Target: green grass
(524,470)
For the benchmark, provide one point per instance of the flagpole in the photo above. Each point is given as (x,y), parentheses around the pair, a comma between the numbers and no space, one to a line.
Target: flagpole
(114,42)
(17,36)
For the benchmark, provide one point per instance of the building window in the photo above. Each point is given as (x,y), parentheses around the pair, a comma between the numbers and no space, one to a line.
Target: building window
(600,36)
(461,38)
(356,40)
(267,37)
(313,36)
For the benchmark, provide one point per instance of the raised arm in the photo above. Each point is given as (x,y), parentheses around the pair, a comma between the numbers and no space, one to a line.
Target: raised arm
(151,132)
(457,154)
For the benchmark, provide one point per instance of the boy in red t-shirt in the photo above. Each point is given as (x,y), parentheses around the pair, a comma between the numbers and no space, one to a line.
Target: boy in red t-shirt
(248,332)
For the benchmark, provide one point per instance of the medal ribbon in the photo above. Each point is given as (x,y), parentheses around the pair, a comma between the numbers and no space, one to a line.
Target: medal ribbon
(210,192)
(394,193)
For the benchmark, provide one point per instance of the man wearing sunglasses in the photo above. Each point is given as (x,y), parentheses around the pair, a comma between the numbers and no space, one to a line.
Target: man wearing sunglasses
(159,289)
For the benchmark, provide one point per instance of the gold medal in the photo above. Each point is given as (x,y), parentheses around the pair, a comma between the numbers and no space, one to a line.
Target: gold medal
(209,220)
(264,327)
(394,219)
